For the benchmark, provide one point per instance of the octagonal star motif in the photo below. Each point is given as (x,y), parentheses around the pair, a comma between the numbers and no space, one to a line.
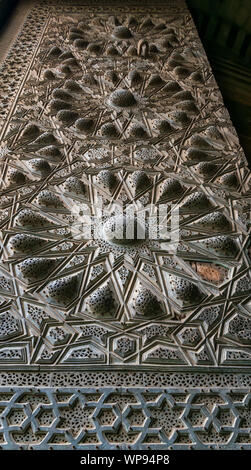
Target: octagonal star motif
(116,127)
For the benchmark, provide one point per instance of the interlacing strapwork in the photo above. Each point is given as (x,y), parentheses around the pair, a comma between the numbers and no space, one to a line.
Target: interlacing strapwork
(119,105)
(129,418)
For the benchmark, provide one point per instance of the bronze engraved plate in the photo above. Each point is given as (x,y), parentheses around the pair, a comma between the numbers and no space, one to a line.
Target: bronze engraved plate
(107,340)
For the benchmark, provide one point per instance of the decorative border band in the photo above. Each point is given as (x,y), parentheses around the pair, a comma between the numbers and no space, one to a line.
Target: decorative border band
(136,418)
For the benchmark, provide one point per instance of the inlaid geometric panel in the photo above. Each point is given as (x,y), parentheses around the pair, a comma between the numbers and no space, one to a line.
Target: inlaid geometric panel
(124,419)
(124,108)
(107,106)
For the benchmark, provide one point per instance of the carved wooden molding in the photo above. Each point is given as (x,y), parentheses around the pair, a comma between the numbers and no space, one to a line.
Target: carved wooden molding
(104,100)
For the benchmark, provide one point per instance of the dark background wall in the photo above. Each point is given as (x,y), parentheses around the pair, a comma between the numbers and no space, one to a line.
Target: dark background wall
(6,9)
(225,30)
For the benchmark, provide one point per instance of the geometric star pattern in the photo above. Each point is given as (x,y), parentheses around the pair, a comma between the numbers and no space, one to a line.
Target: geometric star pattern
(104,107)
(134,418)
(125,109)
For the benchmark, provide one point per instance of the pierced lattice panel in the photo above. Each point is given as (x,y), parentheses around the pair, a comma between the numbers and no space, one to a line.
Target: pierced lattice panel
(119,103)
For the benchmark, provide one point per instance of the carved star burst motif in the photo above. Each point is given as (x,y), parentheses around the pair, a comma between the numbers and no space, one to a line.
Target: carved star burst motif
(168,419)
(124,109)
(77,418)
